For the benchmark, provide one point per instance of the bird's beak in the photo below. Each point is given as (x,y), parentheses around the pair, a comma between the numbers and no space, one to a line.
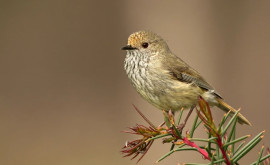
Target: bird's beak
(128,47)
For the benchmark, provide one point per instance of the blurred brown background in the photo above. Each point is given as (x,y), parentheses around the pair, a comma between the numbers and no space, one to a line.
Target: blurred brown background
(64,95)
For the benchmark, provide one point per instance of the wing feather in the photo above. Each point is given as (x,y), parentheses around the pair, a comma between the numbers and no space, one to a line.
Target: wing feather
(184,73)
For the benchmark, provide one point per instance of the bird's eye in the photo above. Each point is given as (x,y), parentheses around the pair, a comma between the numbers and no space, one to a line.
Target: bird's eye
(145,45)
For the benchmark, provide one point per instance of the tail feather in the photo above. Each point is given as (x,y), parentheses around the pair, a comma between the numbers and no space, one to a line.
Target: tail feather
(226,107)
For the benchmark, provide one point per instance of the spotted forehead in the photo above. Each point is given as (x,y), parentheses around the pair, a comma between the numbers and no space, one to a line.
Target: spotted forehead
(139,37)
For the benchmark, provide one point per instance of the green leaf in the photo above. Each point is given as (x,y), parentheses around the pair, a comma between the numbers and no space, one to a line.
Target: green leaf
(218,153)
(247,148)
(212,159)
(223,120)
(180,116)
(166,155)
(238,148)
(166,119)
(169,153)
(198,124)
(218,161)
(233,138)
(251,141)
(230,123)
(260,155)
(262,159)
(186,149)
(177,131)
(194,126)
(232,130)
(235,141)
(172,147)
(157,137)
(209,145)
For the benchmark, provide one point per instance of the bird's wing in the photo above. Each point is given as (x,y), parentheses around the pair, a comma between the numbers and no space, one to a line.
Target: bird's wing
(184,73)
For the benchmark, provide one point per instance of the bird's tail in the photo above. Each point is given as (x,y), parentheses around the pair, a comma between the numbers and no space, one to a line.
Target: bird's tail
(226,107)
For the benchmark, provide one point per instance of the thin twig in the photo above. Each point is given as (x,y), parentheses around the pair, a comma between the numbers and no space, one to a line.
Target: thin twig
(182,125)
(148,121)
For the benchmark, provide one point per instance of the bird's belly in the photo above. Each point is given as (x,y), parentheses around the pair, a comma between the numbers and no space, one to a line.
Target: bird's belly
(168,96)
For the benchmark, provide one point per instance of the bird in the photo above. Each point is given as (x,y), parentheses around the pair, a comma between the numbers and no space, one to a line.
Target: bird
(164,79)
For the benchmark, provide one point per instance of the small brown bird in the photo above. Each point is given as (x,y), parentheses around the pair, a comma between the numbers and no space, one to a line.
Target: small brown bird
(164,79)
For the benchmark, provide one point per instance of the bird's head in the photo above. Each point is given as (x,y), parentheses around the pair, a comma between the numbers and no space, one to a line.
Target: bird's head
(146,42)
